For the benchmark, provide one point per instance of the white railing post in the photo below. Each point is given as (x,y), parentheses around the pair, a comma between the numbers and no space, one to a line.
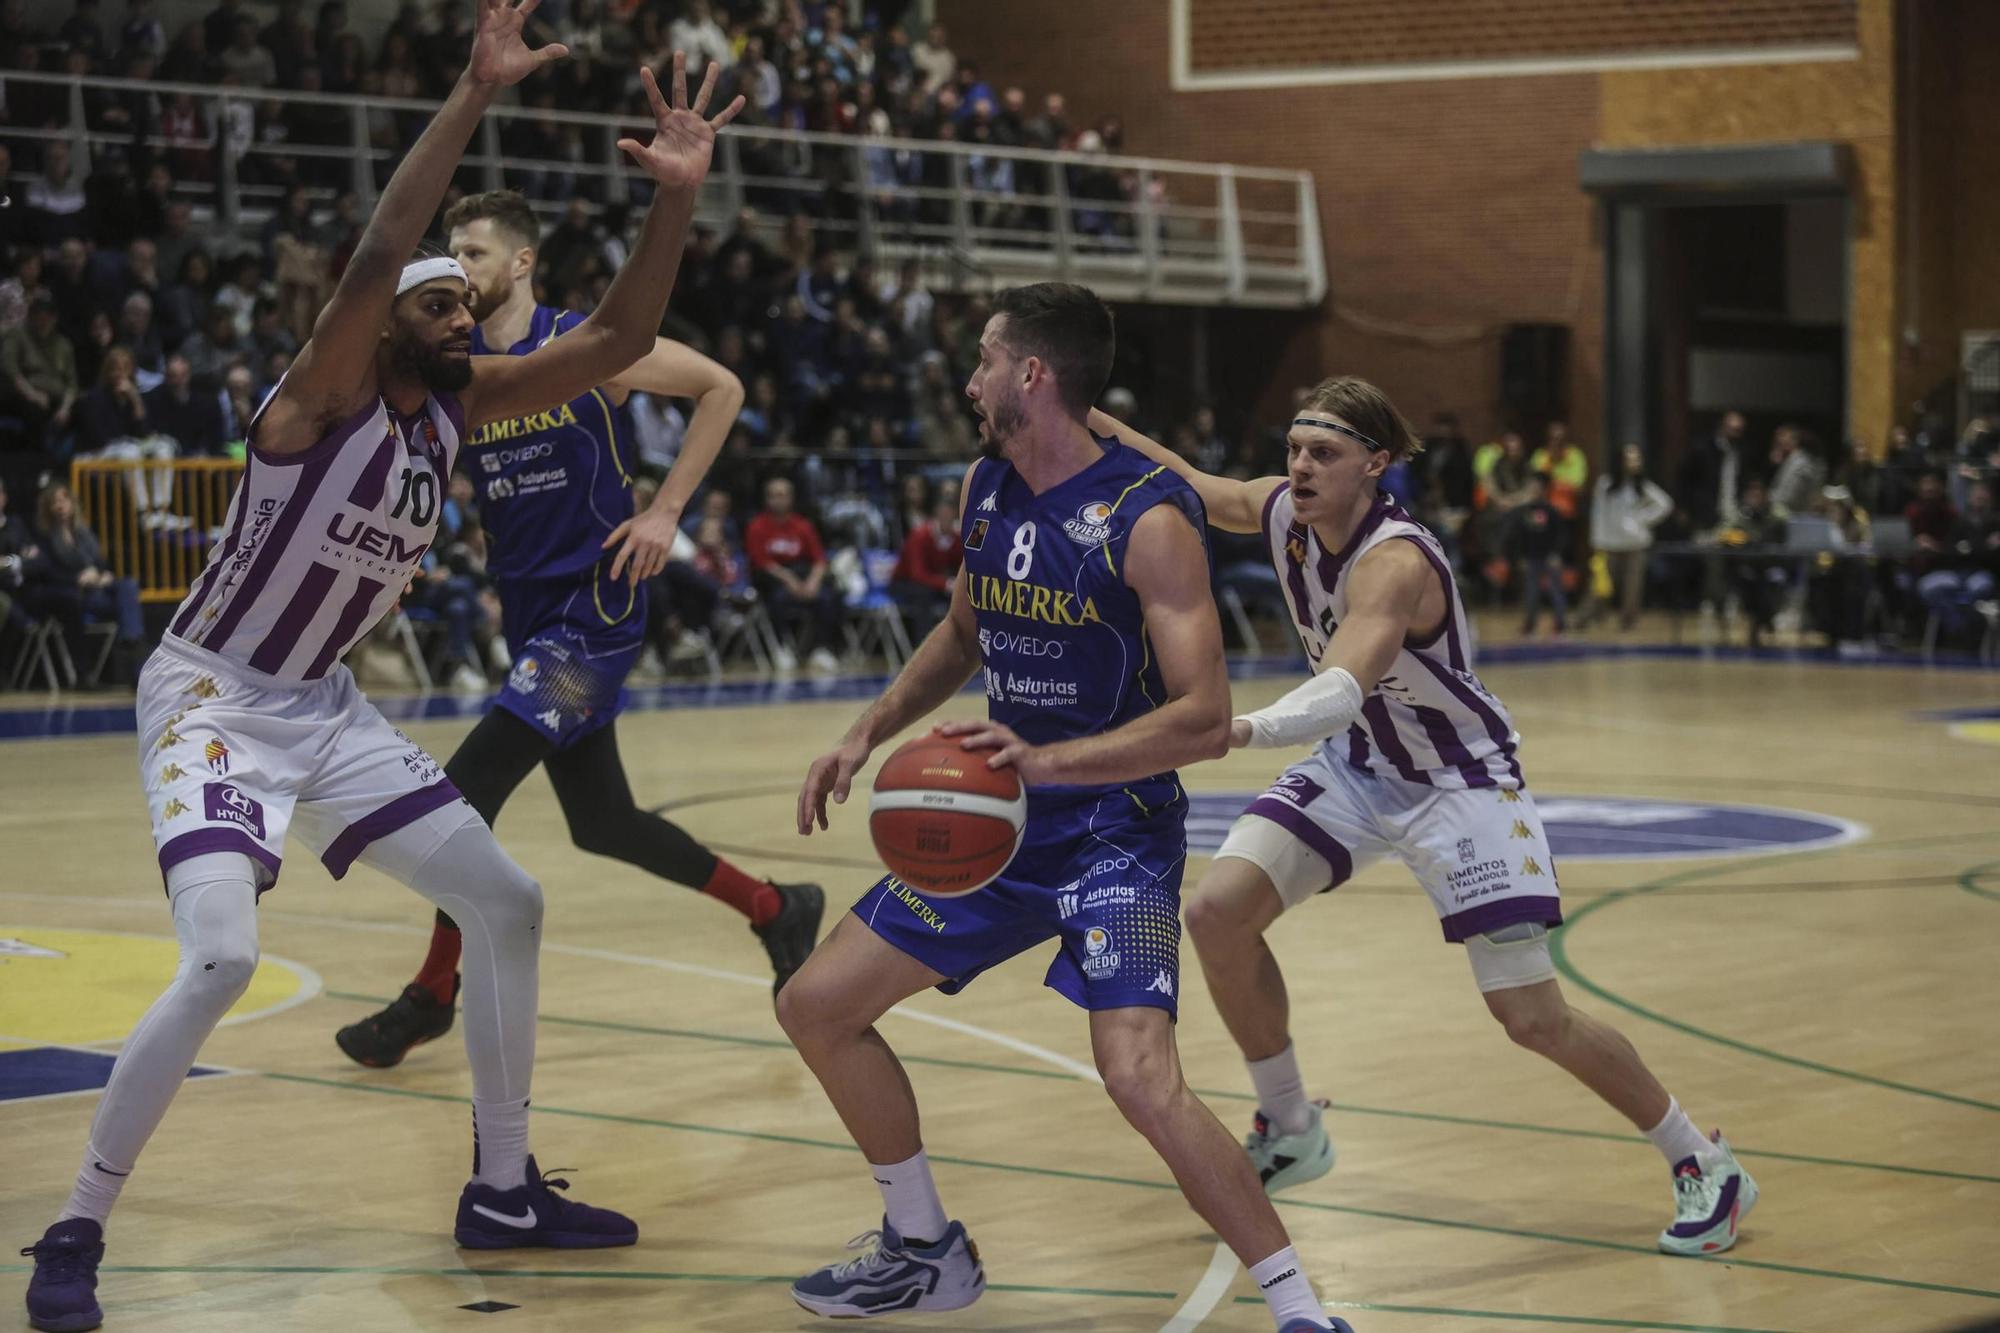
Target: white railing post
(864,202)
(961,205)
(79,130)
(228,203)
(489,148)
(362,177)
(1065,235)
(731,173)
(1148,219)
(1312,246)
(1229,228)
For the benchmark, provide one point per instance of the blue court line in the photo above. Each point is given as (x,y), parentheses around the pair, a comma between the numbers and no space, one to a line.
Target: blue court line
(96,719)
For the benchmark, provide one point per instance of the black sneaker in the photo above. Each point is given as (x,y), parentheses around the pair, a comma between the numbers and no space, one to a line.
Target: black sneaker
(789,936)
(382,1040)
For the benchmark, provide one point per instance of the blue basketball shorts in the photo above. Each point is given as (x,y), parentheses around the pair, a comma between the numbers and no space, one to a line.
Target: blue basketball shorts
(573,641)
(1104,883)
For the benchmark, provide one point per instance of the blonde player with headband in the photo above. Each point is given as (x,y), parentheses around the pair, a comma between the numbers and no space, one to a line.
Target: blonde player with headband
(1413,757)
(249,724)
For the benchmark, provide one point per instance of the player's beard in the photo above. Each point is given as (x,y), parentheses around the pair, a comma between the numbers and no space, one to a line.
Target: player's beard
(484,303)
(429,365)
(1003,421)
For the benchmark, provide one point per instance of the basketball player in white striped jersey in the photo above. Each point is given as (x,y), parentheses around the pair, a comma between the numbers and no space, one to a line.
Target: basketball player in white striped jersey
(1411,757)
(249,724)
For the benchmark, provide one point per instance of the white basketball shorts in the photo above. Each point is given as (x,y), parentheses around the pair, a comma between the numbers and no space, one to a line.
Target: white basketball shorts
(1479,853)
(231,758)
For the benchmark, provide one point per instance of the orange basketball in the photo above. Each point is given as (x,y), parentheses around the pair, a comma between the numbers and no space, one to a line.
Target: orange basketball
(943,822)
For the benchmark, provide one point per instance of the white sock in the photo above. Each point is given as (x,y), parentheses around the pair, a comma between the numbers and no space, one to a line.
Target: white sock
(97,1185)
(1281,1091)
(1676,1136)
(910,1198)
(500,1143)
(1285,1288)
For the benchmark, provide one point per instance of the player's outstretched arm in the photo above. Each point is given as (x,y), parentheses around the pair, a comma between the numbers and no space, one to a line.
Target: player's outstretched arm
(1233,506)
(675,370)
(335,372)
(939,668)
(627,321)
(1386,597)
(1165,566)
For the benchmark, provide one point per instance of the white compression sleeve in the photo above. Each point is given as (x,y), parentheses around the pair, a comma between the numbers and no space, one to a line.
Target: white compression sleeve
(1321,707)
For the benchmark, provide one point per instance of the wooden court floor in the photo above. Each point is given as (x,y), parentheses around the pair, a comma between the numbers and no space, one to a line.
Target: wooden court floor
(1834,1010)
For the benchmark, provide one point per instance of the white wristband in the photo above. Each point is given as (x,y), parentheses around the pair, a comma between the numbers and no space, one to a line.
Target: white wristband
(1321,707)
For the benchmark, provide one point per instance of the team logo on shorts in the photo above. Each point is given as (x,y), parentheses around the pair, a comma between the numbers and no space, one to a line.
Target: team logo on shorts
(1465,851)
(217,755)
(521,679)
(1092,524)
(1102,960)
(977,537)
(225,803)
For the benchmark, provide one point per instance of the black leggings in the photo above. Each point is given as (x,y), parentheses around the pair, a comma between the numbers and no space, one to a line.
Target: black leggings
(590,785)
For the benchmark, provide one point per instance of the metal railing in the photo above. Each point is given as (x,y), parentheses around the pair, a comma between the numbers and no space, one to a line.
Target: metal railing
(1145,229)
(156,520)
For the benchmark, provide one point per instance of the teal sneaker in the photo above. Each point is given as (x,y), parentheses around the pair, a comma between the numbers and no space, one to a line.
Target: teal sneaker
(1711,1199)
(1285,1160)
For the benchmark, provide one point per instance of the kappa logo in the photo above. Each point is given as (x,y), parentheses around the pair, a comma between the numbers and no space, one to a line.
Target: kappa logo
(552,719)
(1295,546)
(173,773)
(1162,983)
(991,504)
(1531,866)
(174,809)
(205,688)
(1521,830)
(1509,796)
(169,738)
(1091,526)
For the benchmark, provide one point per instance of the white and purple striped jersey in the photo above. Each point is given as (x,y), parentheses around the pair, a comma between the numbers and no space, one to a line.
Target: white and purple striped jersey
(1428,720)
(318,545)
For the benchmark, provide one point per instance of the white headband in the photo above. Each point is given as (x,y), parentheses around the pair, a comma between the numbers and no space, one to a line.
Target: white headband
(420,271)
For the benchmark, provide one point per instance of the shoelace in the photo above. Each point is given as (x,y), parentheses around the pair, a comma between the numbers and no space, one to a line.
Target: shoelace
(870,1243)
(1697,1194)
(550,1180)
(61,1263)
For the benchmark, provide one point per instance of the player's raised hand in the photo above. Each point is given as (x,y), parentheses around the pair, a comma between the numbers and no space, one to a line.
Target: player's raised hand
(500,54)
(832,774)
(683,135)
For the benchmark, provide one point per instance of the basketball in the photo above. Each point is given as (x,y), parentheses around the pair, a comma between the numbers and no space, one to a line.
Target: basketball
(943,821)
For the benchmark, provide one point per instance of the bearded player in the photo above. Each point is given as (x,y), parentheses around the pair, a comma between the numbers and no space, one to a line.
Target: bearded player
(250,726)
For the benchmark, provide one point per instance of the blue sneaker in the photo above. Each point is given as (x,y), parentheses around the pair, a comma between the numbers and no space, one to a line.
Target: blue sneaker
(62,1295)
(889,1277)
(531,1215)
(1308,1326)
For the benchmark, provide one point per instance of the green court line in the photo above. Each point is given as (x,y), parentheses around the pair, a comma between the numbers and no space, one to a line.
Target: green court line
(1583,1321)
(729,1039)
(1559,948)
(1473,1122)
(612,1275)
(1969,881)
(1048,1172)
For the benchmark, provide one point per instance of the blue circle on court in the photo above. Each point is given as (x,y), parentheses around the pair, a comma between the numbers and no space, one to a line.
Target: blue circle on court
(1611,828)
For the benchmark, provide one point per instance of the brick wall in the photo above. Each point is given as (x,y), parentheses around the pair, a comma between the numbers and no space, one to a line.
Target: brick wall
(1271,34)
(1449,209)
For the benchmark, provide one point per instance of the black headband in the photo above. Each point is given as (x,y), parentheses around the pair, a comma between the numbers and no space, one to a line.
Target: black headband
(1348,431)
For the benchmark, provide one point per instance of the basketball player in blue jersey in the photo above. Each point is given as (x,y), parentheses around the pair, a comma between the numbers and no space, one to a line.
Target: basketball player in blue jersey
(1084,600)
(1412,757)
(250,728)
(571,561)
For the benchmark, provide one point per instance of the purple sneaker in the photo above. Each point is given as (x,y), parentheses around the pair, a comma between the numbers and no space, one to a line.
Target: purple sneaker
(62,1295)
(1308,1326)
(531,1215)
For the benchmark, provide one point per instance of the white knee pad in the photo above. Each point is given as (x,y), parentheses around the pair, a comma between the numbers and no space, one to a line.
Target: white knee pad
(1512,956)
(1295,870)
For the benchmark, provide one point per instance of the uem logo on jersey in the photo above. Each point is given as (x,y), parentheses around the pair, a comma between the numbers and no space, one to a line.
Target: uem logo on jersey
(368,539)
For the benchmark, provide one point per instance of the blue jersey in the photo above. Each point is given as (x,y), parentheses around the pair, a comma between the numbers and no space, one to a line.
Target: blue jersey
(553,485)
(1061,636)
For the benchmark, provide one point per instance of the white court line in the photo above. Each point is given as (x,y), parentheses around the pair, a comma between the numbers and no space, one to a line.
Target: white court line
(1207,1294)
